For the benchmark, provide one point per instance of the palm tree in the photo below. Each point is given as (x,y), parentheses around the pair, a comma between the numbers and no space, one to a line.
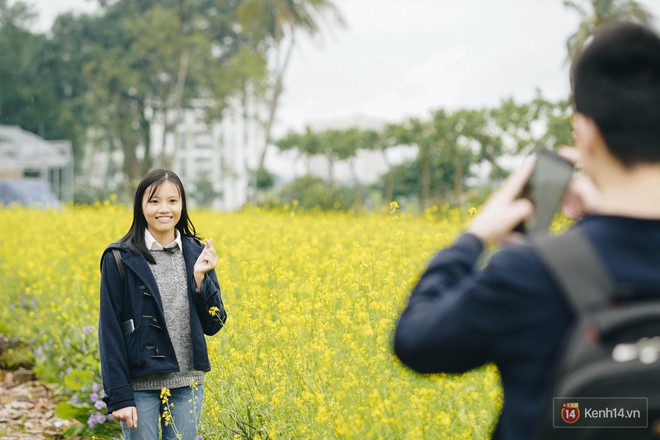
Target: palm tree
(281,20)
(595,13)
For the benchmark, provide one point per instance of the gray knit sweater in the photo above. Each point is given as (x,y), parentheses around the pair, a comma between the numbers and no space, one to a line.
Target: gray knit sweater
(170,274)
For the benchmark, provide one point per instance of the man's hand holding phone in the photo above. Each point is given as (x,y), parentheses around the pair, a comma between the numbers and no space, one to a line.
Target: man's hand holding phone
(529,198)
(545,188)
(503,210)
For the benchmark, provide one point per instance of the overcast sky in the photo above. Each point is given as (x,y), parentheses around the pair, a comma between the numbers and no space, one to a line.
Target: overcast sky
(401,58)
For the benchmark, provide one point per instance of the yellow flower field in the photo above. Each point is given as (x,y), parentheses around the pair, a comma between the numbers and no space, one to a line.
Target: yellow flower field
(312,300)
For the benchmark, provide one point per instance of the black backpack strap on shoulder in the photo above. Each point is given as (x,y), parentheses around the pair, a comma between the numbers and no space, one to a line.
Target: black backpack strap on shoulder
(577,268)
(120,264)
(128,305)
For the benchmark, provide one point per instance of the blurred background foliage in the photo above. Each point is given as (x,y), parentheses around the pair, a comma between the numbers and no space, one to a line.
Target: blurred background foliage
(133,66)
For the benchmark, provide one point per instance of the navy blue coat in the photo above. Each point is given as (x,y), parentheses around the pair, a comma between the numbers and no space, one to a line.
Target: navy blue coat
(148,348)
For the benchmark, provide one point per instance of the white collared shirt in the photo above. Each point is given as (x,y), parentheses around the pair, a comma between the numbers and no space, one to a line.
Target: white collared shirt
(153,245)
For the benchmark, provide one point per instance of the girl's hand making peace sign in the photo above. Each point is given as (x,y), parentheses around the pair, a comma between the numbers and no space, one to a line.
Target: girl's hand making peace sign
(206,261)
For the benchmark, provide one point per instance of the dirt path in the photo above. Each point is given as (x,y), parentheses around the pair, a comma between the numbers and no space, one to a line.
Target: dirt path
(27,408)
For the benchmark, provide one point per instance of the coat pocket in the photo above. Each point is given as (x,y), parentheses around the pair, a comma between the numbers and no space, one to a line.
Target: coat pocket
(132,344)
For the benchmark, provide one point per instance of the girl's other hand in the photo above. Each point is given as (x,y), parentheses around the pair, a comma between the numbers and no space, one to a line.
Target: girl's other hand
(127,415)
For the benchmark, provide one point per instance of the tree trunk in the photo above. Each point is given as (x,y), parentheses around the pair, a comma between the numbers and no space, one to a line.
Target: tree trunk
(308,164)
(389,179)
(356,181)
(426,176)
(184,63)
(177,93)
(109,147)
(90,149)
(331,179)
(252,174)
(331,171)
(145,130)
(166,130)
(354,174)
(458,178)
(132,166)
(275,98)
(493,163)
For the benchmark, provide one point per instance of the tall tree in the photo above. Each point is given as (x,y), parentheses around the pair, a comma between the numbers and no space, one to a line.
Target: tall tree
(118,84)
(444,142)
(355,139)
(382,141)
(21,100)
(41,88)
(464,139)
(68,50)
(594,13)
(278,25)
(514,123)
(307,144)
(153,60)
(556,119)
(418,132)
(489,141)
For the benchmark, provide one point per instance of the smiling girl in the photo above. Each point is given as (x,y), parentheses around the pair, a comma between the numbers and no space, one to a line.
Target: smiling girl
(154,313)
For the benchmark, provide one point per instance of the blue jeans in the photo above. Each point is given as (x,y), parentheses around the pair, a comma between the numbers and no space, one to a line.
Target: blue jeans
(183,406)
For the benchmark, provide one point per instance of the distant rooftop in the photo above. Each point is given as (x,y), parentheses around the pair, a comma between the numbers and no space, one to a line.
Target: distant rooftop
(24,155)
(20,149)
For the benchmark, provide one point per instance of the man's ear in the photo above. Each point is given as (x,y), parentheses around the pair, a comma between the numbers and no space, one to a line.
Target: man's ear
(587,135)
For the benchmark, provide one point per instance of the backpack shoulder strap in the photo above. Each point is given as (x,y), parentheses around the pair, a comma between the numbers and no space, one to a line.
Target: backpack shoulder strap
(577,268)
(128,305)
(120,264)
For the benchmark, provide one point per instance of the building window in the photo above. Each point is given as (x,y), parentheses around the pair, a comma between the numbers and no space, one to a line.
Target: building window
(31,173)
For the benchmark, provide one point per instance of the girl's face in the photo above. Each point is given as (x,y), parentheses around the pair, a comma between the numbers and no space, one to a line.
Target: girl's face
(162,211)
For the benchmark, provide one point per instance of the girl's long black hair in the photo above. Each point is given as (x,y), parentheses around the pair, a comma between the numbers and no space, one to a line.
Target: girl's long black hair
(135,235)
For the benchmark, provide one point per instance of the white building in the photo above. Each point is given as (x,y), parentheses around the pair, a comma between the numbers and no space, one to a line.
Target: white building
(226,153)
(24,155)
(222,154)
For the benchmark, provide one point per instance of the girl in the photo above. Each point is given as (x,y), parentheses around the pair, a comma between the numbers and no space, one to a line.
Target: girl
(159,297)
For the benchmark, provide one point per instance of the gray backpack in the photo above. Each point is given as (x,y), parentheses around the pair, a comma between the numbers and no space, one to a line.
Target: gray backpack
(607,373)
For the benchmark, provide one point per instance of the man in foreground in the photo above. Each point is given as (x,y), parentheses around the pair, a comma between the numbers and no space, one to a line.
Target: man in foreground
(512,313)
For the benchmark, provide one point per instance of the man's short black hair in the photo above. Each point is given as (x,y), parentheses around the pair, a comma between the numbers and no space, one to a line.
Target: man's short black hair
(616,82)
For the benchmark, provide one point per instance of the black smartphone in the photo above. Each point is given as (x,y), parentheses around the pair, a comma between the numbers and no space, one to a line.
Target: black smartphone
(128,327)
(545,189)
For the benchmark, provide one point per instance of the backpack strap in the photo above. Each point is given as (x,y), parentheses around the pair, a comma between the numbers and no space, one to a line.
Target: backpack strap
(120,264)
(126,314)
(577,268)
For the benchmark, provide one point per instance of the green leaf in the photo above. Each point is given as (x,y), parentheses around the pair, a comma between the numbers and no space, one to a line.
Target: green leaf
(69,411)
(77,378)
(76,431)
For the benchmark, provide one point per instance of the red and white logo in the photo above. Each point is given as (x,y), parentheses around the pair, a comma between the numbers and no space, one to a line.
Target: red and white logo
(570,412)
